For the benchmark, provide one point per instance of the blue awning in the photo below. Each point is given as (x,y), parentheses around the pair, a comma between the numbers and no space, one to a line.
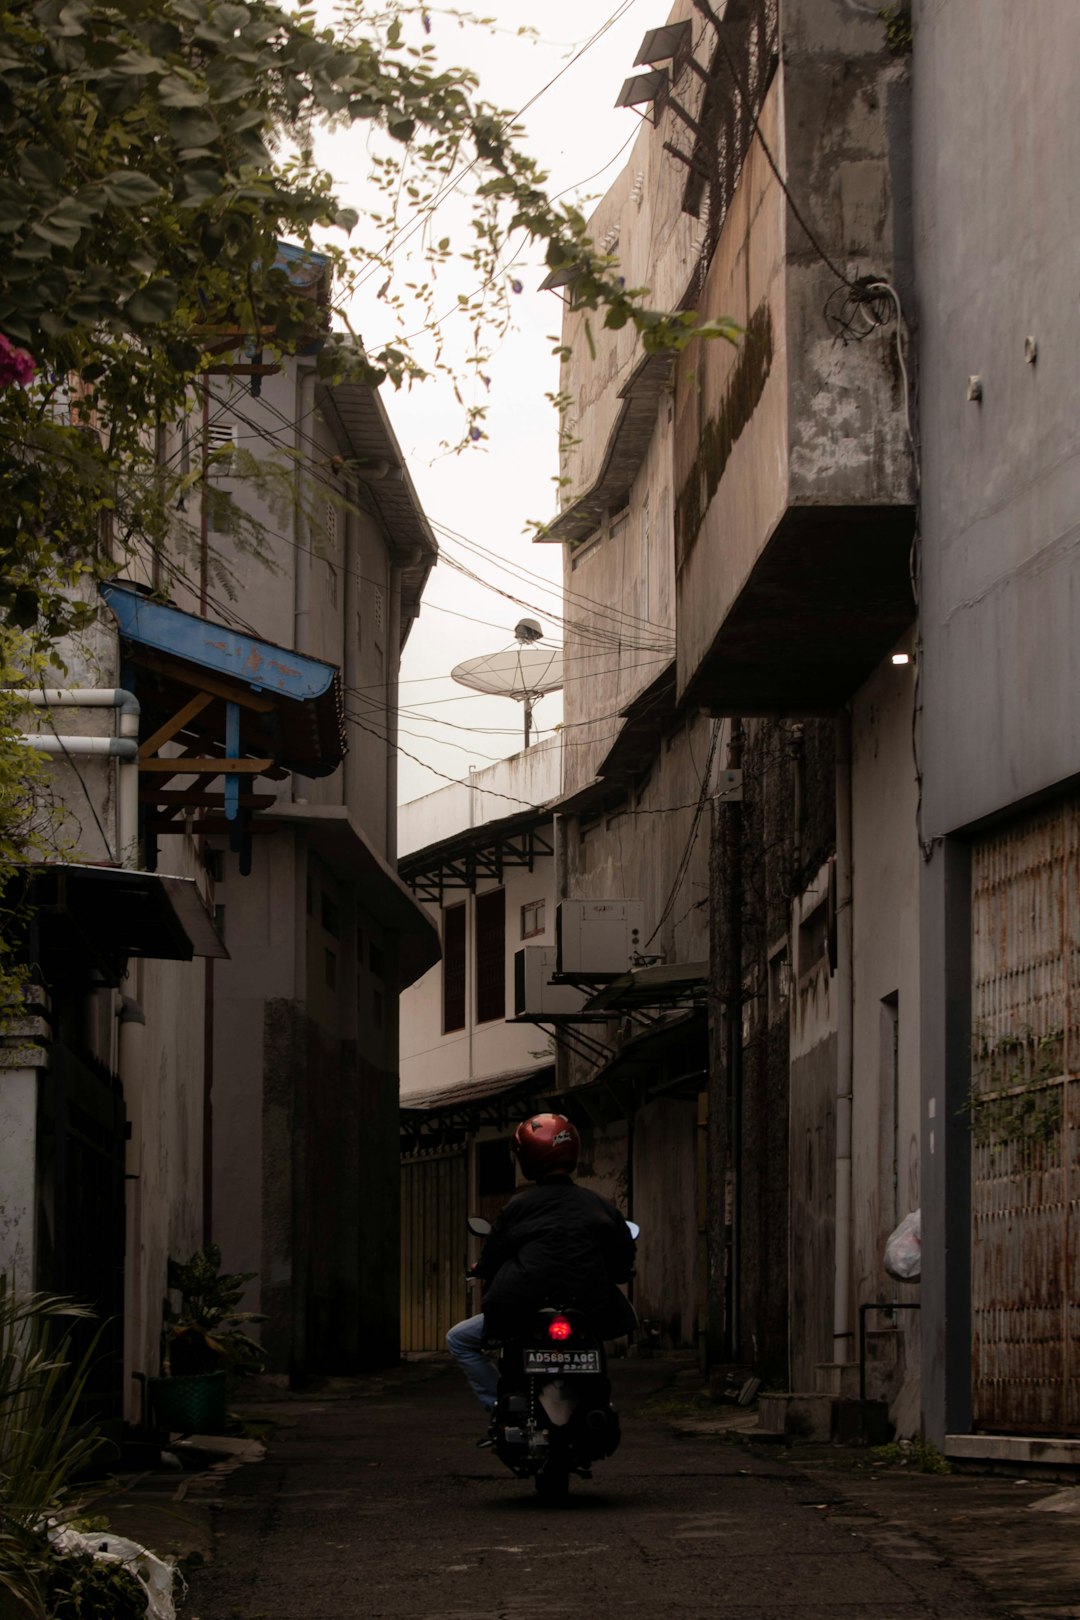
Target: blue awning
(298,721)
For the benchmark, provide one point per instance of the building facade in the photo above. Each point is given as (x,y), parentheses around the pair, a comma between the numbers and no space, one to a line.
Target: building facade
(222,771)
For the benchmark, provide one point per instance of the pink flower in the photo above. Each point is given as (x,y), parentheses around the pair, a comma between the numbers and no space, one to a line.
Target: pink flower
(16,365)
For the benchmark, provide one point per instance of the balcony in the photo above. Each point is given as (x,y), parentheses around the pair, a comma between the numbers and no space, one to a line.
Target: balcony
(794,506)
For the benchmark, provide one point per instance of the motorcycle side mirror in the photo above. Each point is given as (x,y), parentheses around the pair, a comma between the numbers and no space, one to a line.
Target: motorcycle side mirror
(635,1230)
(478,1226)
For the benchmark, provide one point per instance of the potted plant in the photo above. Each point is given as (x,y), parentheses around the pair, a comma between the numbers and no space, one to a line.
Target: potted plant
(203,1344)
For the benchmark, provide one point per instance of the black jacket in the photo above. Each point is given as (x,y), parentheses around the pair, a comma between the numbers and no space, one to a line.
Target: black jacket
(557,1244)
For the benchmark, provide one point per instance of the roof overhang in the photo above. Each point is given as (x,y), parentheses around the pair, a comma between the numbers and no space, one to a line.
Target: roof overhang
(443,1115)
(484,851)
(659,987)
(623,455)
(339,840)
(357,417)
(100,916)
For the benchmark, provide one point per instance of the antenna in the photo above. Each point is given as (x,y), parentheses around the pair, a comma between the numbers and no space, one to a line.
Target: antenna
(524,672)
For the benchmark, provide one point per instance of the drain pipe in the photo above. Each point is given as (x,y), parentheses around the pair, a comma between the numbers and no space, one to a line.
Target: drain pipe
(124,747)
(131,1063)
(843,1330)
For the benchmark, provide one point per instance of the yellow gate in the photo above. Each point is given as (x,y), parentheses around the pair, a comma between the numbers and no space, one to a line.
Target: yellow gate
(434,1243)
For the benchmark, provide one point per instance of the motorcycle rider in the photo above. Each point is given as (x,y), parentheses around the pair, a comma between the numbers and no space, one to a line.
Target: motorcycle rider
(553,1238)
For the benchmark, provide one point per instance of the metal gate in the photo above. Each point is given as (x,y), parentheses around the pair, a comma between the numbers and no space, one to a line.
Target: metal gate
(1025,1126)
(433,1247)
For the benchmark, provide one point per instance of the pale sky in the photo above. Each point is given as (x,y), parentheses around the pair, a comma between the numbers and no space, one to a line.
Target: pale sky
(488,495)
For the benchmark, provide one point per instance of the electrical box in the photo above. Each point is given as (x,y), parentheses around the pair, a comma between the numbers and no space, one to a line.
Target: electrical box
(535,997)
(597,939)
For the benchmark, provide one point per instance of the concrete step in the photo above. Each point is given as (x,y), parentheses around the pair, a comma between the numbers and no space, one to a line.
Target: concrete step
(797,1416)
(836,1378)
(820,1417)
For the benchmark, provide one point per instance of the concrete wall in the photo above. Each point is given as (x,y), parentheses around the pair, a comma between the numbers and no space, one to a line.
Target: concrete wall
(621,589)
(634,850)
(655,244)
(161,1063)
(791,417)
(307,565)
(531,777)
(1001,478)
(996,238)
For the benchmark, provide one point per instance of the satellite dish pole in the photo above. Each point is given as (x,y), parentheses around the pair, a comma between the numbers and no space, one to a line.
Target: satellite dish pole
(524,672)
(527,631)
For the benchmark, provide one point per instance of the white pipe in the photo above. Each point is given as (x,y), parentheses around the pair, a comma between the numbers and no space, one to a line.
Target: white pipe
(49,743)
(125,748)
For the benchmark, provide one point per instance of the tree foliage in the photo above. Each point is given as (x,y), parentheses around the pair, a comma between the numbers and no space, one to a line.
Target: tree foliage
(153,153)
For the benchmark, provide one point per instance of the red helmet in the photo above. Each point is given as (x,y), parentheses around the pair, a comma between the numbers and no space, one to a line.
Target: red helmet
(546,1145)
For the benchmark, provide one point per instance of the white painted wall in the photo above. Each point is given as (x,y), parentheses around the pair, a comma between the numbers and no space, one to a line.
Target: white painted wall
(532,777)
(885,923)
(433,1058)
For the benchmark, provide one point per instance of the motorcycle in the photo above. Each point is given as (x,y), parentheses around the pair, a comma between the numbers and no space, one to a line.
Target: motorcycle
(553,1416)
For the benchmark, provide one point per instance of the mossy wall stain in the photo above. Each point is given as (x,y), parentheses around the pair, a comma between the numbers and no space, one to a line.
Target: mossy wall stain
(721,432)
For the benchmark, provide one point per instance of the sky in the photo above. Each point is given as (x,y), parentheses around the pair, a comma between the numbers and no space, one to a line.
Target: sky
(485,497)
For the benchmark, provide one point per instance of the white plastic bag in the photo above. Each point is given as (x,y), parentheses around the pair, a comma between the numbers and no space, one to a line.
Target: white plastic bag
(154,1575)
(903,1251)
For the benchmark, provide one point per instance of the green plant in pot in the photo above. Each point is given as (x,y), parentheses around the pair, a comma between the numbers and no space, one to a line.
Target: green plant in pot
(204,1343)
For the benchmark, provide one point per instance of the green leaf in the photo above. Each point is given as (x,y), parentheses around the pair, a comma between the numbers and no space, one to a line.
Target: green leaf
(129,189)
(177,92)
(153,303)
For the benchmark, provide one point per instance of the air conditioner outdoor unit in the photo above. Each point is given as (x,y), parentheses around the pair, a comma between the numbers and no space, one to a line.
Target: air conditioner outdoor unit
(534,995)
(597,938)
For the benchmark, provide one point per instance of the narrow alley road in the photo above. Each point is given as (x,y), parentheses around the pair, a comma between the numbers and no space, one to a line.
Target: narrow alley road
(374,1502)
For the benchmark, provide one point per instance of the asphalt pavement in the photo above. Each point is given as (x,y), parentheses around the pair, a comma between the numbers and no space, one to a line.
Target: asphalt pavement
(374,1501)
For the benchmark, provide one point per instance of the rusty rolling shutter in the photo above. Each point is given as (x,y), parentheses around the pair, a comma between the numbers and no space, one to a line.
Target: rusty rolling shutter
(433,1248)
(1025,1125)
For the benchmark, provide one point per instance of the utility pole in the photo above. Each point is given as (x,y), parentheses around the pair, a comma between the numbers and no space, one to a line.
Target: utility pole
(724,1132)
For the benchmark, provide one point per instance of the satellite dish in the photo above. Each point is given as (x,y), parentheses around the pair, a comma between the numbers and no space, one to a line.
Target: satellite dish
(524,673)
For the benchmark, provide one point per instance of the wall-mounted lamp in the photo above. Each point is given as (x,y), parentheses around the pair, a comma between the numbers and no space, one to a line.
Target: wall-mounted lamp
(901,658)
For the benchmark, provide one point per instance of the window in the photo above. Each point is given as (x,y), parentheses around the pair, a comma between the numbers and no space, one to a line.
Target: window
(490,956)
(377,1008)
(376,960)
(331,970)
(532,919)
(453,968)
(219,922)
(331,919)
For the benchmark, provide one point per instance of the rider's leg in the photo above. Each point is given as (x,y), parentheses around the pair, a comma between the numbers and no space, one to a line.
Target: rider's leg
(465,1341)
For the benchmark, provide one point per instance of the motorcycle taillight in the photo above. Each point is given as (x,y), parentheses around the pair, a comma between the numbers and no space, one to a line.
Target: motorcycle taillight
(559,1328)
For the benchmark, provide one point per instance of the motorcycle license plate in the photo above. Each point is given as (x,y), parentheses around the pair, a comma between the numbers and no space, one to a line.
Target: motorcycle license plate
(562,1361)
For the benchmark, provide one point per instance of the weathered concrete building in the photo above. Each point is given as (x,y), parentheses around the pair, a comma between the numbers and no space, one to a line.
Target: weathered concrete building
(748,513)
(223,760)
(301,1159)
(999,749)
